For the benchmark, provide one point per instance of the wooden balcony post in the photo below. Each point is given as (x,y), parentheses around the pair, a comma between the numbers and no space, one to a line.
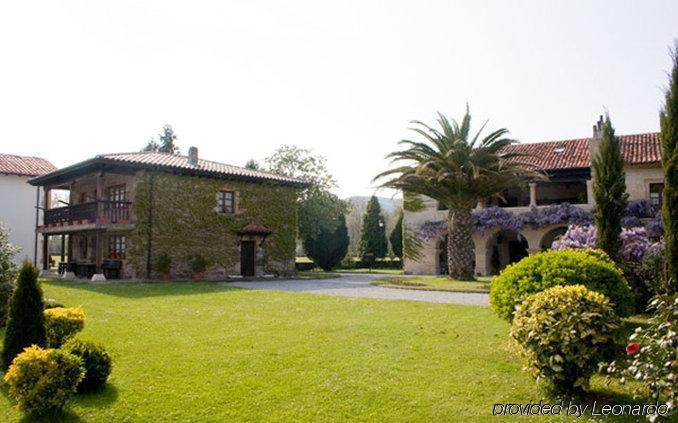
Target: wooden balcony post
(45,252)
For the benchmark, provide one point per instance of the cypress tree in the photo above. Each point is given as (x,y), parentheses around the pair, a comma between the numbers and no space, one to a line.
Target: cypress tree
(373,232)
(609,191)
(329,247)
(25,321)
(669,142)
(396,237)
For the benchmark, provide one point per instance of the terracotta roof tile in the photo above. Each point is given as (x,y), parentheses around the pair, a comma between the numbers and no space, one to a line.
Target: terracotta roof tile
(571,154)
(24,166)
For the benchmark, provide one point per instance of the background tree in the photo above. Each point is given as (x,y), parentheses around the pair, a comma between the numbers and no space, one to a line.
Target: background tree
(609,191)
(167,142)
(7,272)
(669,139)
(396,237)
(373,232)
(329,247)
(457,170)
(252,164)
(318,207)
(25,321)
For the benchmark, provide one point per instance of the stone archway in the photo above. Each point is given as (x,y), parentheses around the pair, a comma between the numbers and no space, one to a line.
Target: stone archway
(251,245)
(550,236)
(503,248)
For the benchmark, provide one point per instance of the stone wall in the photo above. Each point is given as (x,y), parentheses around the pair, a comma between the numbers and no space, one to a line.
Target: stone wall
(180,212)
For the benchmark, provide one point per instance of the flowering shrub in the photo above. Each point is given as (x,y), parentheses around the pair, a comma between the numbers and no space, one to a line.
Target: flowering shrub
(655,227)
(565,331)
(62,323)
(652,355)
(540,271)
(635,241)
(41,381)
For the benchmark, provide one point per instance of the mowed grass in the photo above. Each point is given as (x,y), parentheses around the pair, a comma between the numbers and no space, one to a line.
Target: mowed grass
(206,352)
(435,283)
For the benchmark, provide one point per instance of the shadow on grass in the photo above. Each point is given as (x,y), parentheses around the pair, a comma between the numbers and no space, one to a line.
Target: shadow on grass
(146,289)
(101,398)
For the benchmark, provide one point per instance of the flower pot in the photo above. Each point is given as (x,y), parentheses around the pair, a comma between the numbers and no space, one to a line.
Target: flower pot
(164,277)
(196,276)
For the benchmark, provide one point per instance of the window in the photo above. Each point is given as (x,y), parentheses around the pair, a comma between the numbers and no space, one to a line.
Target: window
(116,193)
(226,202)
(117,246)
(656,194)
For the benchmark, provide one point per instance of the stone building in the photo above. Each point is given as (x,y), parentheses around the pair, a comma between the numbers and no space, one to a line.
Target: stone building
(567,191)
(126,210)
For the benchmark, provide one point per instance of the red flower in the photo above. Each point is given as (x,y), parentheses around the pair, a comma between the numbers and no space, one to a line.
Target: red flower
(633,348)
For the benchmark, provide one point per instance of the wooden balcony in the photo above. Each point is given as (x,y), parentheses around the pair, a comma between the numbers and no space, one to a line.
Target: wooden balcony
(94,212)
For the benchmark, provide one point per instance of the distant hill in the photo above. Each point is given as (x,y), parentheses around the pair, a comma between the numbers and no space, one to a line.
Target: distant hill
(354,219)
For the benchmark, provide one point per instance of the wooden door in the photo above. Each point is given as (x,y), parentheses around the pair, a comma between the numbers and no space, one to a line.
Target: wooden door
(247,258)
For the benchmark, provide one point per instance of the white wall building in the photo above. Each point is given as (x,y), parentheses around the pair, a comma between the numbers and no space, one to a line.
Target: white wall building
(18,200)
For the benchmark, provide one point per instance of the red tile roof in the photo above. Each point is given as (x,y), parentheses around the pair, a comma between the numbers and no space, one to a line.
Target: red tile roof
(166,162)
(24,166)
(571,154)
(173,161)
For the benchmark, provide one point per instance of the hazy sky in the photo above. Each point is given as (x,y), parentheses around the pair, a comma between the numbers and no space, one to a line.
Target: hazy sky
(240,78)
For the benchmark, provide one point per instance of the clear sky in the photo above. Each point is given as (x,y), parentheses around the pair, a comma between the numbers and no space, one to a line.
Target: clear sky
(240,78)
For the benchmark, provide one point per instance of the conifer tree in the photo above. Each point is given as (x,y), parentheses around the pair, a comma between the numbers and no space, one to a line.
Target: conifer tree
(669,140)
(609,191)
(396,237)
(329,247)
(373,233)
(25,321)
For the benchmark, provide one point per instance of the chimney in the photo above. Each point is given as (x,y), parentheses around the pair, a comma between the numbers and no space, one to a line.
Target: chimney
(193,156)
(594,142)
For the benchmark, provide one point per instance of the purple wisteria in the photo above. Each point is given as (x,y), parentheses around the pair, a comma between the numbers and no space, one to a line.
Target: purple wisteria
(635,241)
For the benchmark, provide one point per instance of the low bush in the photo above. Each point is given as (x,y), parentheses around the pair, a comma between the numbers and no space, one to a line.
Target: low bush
(198,264)
(41,381)
(652,353)
(62,323)
(164,264)
(95,360)
(537,272)
(565,331)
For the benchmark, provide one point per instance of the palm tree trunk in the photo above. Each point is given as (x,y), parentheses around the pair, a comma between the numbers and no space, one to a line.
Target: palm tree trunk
(460,248)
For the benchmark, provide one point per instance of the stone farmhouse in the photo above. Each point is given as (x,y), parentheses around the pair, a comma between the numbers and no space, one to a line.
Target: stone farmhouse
(126,210)
(568,166)
(17,200)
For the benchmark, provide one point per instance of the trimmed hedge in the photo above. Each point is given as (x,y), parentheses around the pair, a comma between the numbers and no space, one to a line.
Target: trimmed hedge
(96,361)
(565,331)
(41,381)
(62,323)
(537,272)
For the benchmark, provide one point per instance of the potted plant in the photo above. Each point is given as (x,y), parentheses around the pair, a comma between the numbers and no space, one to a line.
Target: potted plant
(163,266)
(198,267)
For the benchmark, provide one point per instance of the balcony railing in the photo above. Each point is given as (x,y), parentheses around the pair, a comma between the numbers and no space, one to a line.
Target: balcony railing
(91,212)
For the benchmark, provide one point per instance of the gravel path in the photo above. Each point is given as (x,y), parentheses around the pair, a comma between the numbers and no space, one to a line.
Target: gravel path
(358,285)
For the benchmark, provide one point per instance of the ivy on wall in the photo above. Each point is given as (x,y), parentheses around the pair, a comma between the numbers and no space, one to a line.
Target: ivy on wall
(185,223)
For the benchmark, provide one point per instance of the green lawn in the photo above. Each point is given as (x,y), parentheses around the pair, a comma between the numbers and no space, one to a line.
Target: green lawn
(435,283)
(207,352)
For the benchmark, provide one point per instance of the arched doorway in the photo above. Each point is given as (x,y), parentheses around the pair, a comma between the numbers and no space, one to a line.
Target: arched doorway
(442,257)
(550,236)
(504,248)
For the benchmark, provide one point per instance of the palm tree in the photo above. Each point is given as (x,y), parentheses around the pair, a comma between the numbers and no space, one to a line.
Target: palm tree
(458,171)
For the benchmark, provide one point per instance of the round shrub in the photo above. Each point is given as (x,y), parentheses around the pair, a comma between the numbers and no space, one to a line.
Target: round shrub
(537,272)
(41,381)
(62,323)
(565,332)
(96,361)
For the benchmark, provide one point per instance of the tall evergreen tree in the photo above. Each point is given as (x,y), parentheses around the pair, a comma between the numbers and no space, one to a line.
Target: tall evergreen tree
(609,191)
(396,237)
(373,233)
(167,142)
(669,140)
(25,321)
(329,247)
(252,164)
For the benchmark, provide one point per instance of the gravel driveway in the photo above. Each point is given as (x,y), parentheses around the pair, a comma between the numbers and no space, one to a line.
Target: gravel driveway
(358,285)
